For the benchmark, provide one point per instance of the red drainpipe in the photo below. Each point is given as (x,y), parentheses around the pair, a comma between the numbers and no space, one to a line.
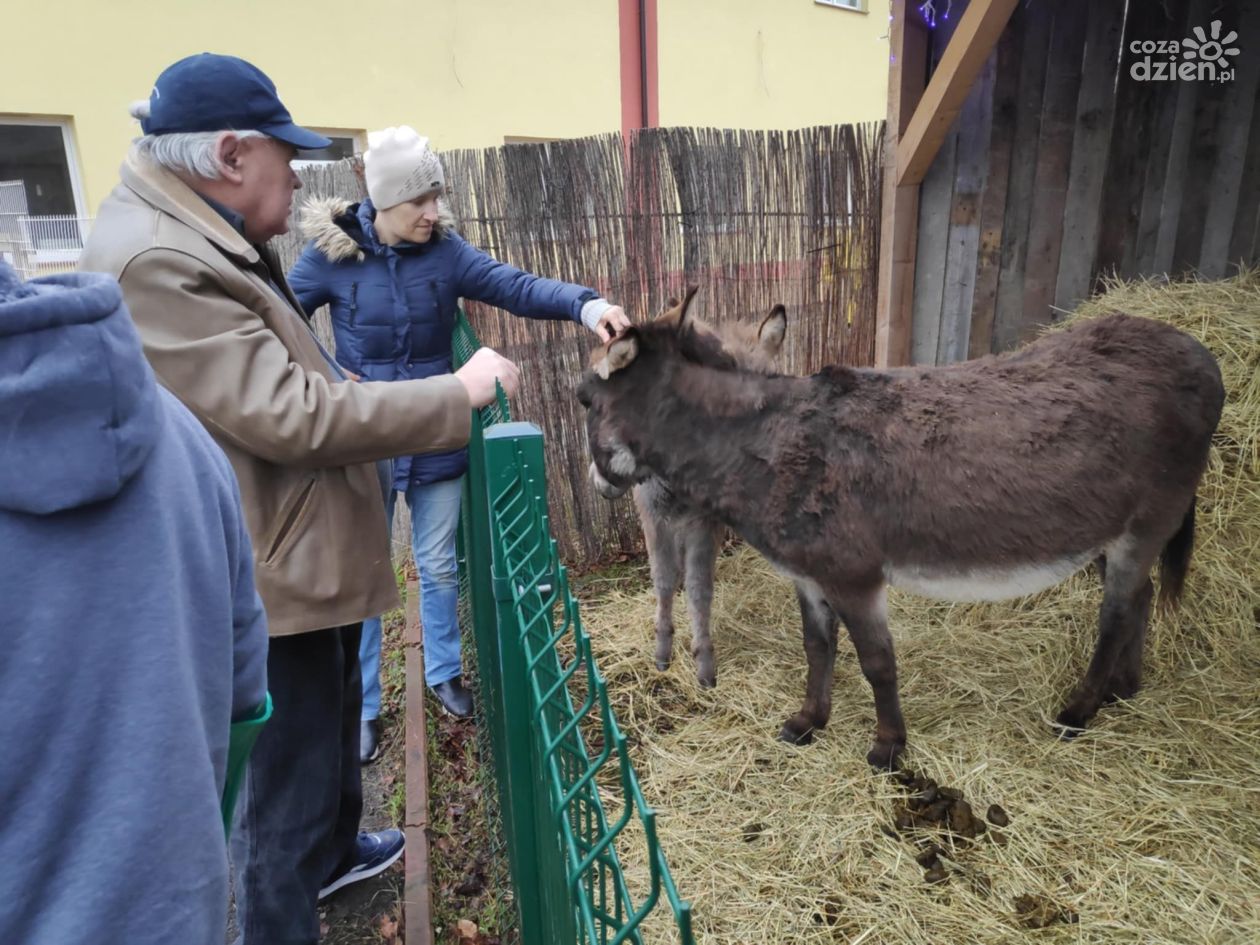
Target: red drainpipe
(637,28)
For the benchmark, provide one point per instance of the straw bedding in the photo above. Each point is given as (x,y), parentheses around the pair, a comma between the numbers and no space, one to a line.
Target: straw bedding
(1145,829)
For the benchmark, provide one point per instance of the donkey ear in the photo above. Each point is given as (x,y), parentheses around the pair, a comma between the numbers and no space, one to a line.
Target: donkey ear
(619,353)
(677,311)
(772,329)
(685,306)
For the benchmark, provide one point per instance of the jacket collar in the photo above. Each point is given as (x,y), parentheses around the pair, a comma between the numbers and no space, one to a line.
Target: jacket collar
(370,241)
(343,230)
(165,191)
(234,219)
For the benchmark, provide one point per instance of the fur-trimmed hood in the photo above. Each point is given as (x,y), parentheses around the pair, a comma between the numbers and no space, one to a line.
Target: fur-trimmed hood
(342,230)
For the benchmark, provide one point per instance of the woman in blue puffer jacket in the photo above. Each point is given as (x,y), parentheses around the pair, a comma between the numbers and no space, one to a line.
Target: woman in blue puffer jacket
(392,270)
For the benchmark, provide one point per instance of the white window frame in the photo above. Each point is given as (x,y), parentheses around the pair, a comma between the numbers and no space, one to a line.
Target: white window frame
(357,135)
(853,6)
(72,152)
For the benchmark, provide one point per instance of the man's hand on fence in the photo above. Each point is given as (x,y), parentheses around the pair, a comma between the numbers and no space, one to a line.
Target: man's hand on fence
(482,370)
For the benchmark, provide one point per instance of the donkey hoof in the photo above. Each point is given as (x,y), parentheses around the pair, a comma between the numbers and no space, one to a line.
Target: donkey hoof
(796,731)
(707,680)
(1068,724)
(662,665)
(885,756)
(1123,690)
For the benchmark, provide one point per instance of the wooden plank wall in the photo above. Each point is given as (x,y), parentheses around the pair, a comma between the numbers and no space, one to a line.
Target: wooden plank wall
(1062,167)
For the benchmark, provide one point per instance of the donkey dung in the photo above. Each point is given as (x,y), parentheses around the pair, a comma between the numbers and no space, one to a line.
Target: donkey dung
(929,857)
(1038,912)
(996,816)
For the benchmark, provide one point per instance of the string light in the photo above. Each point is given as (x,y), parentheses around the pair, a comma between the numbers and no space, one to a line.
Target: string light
(928,9)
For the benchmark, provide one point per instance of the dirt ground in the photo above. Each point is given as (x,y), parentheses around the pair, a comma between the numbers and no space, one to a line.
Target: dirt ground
(472,895)
(368,913)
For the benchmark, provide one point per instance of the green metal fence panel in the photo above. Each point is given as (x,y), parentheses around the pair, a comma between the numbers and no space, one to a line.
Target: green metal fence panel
(554,738)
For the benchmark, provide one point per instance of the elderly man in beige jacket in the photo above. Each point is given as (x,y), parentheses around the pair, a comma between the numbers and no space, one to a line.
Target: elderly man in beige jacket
(185,233)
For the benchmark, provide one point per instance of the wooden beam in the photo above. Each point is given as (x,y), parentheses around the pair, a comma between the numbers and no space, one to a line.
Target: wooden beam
(977,33)
(417,887)
(899,216)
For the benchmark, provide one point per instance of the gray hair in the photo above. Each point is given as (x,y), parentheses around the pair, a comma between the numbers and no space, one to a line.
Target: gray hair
(194,153)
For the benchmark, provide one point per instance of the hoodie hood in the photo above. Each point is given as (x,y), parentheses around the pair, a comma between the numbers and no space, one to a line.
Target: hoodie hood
(78,401)
(342,230)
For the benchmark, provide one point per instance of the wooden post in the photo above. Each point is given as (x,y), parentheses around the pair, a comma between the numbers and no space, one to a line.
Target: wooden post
(918,121)
(978,30)
(907,74)
(417,888)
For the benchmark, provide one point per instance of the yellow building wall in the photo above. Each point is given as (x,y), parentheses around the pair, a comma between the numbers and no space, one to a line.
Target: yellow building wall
(771,63)
(465,72)
(468,73)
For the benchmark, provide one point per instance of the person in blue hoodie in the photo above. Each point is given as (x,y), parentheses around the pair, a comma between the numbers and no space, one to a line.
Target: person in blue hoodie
(392,270)
(132,635)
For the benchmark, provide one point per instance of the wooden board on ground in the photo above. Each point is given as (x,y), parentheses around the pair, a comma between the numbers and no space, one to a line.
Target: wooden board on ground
(417,890)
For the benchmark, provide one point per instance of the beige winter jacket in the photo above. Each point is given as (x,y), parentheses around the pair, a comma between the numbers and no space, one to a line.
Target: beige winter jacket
(221,328)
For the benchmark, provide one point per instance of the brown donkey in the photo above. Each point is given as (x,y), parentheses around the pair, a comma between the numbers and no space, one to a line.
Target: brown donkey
(682,541)
(985,480)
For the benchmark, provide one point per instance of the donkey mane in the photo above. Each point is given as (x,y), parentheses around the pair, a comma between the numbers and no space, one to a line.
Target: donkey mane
(697,346)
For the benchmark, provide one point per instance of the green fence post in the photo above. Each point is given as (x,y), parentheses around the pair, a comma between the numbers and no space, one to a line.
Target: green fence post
(531,649)
(475,547)
(514,451)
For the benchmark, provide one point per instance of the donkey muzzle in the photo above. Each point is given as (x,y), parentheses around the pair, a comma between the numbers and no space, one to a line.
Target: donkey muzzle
(605,488)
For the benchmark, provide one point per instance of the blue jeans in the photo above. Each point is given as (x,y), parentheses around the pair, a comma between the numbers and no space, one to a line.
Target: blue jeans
(434,524)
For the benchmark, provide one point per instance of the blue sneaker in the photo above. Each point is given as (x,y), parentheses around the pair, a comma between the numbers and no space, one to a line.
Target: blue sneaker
(377,852)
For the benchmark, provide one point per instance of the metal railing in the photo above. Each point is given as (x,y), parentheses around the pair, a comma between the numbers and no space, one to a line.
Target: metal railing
(41,244)
(552,735)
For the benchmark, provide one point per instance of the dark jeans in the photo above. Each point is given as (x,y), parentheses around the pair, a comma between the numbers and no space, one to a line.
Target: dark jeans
(298,812)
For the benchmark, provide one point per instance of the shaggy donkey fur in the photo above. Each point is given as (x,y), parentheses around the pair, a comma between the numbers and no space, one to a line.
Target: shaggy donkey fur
(682,541)
(990,479)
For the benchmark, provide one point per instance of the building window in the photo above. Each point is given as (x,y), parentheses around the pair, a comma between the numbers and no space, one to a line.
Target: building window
(42,221)
(345,144)
(858,5)
(40,154)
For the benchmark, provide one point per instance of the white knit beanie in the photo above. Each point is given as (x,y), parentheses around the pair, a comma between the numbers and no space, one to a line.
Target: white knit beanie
(399,166)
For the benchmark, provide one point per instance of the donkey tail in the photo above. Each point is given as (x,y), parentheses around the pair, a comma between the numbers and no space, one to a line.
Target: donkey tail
(1174,562)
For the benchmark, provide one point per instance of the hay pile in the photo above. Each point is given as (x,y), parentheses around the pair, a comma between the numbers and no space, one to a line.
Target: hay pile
(1145,829)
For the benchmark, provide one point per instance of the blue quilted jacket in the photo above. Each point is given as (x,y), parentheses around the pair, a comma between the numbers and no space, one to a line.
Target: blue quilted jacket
(393,307)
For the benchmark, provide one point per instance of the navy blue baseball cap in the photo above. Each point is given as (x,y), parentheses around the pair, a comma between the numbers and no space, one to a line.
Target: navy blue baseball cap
(208,92)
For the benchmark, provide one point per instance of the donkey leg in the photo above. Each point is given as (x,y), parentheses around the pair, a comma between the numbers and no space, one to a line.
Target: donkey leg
(867,623)
(665,563)
(818,627)
(701,556)
(1126,677)
(1115,669)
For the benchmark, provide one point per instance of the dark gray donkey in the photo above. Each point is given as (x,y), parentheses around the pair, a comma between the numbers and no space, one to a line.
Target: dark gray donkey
(985,480)
(682,540)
